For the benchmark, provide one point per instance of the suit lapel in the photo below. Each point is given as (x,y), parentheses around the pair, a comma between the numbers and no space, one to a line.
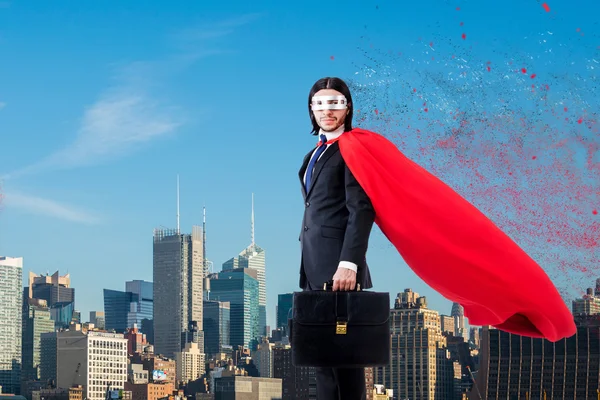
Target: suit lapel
(303,170)
(333,148)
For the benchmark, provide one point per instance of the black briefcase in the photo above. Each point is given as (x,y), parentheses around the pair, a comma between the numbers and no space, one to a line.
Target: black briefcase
(340,329)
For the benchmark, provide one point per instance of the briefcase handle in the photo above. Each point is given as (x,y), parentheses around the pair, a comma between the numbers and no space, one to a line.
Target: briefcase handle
(329,285)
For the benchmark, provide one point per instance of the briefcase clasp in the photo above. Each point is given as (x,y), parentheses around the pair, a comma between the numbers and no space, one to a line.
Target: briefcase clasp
(341,328)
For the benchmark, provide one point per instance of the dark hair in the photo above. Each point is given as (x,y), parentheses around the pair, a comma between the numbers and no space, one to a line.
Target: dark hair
(335,84)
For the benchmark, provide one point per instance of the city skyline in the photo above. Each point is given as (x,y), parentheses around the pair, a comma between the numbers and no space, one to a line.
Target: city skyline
(413,323)
(99,115)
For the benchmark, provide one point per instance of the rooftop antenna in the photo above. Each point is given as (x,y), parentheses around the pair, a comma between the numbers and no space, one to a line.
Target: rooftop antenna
(252,222)
(177,203)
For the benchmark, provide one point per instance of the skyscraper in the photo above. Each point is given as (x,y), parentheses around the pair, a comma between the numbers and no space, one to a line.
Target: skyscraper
(11,307)
(253,257)
(535,368)
(125,309)
(36,321)
(239,287)
(142,309)
(178,278)
(116,307)
(52,288)
(58,293)
(420,367)
(217,325)
(284,306)
(98,319)
(458,313)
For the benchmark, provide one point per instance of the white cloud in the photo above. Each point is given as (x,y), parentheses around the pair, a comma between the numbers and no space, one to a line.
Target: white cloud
(115,124)
(118,123)
(127,116)
(49,208)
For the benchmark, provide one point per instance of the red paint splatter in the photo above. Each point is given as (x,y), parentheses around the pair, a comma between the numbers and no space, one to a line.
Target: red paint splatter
(426,110)
(580,120)
(533,76)
(332,57)
(464,35)
(546,7)
(457,8)
(595,212)
(376,112)
(566,109)
(414,90)
(430,44)
(534,157)
(489,68)
(578,29)
(524,70)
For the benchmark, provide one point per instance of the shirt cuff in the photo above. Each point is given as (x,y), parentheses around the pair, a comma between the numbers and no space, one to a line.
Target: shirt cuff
(348,265)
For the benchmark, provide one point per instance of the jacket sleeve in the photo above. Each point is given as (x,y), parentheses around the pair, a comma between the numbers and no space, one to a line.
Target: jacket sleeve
(360,221)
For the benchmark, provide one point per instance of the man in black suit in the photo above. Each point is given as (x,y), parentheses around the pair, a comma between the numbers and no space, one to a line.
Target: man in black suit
(337,221)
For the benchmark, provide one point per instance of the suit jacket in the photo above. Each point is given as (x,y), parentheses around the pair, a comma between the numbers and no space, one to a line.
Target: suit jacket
(337,222)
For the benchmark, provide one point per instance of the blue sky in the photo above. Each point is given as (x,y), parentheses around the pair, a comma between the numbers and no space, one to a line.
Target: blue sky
(103,104)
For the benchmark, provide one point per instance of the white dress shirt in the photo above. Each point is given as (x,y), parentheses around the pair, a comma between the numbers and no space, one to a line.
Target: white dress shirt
(333,135)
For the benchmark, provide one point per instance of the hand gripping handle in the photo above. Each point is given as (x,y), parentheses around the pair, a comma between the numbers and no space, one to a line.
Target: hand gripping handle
(329,286)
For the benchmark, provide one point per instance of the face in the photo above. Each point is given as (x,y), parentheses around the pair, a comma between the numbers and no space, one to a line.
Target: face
(331,119)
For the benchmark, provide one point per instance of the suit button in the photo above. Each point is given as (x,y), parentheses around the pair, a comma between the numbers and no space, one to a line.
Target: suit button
(306,228)
(307,204)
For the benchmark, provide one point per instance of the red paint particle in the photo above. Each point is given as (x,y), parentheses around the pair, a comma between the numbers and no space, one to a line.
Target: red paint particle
(578,29)
(532,76)
(376,112)
(464,35)
(595,212)
(580,120)
(489,68)
(431,44)
(332,57)
(546,7)
(415,90)
(524,70)
(566,109)
(534,157)
(457,8)
(426,110)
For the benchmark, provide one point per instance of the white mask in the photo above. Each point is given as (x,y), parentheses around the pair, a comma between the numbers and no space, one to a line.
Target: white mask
(329,103)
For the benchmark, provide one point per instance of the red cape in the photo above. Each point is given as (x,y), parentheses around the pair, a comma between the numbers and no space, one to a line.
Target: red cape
(452,246)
